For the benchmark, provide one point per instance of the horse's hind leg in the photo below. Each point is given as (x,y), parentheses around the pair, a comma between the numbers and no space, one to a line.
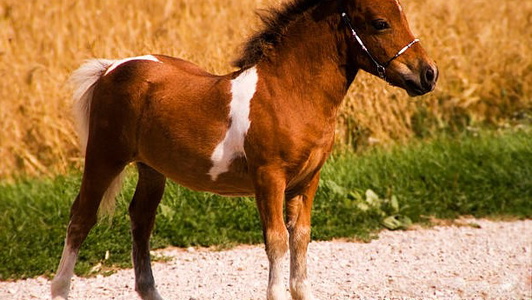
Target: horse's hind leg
(97,178)
(150,188)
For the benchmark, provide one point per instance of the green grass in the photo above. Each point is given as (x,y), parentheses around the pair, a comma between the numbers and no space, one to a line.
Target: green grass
(489,175)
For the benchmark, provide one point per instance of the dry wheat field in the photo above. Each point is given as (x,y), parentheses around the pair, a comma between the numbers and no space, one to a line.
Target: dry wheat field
(483,49)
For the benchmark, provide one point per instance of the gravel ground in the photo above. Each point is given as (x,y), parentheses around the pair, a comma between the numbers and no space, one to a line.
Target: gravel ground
(493,261)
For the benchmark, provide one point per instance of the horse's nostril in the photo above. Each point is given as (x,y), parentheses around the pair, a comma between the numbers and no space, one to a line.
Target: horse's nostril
(429,75)
(428,79)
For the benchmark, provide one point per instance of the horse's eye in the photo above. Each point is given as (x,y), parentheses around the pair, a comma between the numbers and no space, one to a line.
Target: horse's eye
(380,24)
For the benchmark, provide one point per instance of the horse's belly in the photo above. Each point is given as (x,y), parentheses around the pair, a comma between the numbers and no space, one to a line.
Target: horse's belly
(193,173)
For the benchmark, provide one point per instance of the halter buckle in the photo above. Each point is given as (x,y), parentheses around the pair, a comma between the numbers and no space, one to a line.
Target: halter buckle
(381,70)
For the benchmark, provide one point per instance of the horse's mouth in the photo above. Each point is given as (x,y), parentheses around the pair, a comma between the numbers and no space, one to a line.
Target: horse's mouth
(414,89)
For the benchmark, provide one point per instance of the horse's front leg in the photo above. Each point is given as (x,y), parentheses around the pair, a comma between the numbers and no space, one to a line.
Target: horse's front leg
(270,188)
(298,215)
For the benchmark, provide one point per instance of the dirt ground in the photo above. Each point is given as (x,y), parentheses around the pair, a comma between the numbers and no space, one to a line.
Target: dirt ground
(479,260)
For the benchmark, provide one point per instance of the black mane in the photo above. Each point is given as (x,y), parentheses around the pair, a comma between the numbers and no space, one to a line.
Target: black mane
(276,21)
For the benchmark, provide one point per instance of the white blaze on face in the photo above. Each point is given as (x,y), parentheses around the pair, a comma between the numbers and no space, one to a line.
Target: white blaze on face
(125,60)
(399,5)
(242,89)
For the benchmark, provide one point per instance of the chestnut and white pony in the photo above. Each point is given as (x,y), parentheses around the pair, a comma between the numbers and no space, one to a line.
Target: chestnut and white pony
(263,130)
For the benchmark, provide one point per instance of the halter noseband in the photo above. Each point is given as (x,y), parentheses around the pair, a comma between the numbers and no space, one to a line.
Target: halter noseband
(381,69)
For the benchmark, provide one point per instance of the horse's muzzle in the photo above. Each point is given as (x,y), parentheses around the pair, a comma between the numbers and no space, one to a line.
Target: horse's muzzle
(417,85)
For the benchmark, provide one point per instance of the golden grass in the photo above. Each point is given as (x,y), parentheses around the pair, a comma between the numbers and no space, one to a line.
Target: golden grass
(483,52)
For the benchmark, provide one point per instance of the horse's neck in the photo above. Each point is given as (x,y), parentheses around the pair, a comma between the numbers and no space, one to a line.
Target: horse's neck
(312,64)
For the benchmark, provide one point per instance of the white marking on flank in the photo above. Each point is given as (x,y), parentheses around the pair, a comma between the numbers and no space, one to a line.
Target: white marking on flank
(242,89)
(117,63)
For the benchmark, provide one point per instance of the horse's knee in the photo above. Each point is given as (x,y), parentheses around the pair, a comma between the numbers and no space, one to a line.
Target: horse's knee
(276,243)
(299,236)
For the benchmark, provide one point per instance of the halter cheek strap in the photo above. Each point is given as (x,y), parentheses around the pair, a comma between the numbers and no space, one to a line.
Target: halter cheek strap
(381,68)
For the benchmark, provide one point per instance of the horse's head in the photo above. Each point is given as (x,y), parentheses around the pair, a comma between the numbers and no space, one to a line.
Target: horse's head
(383,45)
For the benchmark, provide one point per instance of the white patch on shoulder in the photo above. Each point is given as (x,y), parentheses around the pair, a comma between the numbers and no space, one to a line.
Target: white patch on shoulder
(243,89)
(117,63)
(399,5)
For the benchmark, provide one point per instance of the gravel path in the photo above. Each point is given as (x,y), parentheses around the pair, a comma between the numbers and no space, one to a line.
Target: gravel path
(449,262)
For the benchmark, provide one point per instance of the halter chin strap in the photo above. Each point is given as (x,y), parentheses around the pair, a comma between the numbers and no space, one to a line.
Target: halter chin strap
(381,68)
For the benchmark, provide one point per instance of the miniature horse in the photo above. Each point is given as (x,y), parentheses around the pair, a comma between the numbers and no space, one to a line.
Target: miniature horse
(264,130)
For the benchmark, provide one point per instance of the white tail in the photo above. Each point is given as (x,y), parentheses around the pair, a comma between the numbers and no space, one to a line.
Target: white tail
(83,80)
